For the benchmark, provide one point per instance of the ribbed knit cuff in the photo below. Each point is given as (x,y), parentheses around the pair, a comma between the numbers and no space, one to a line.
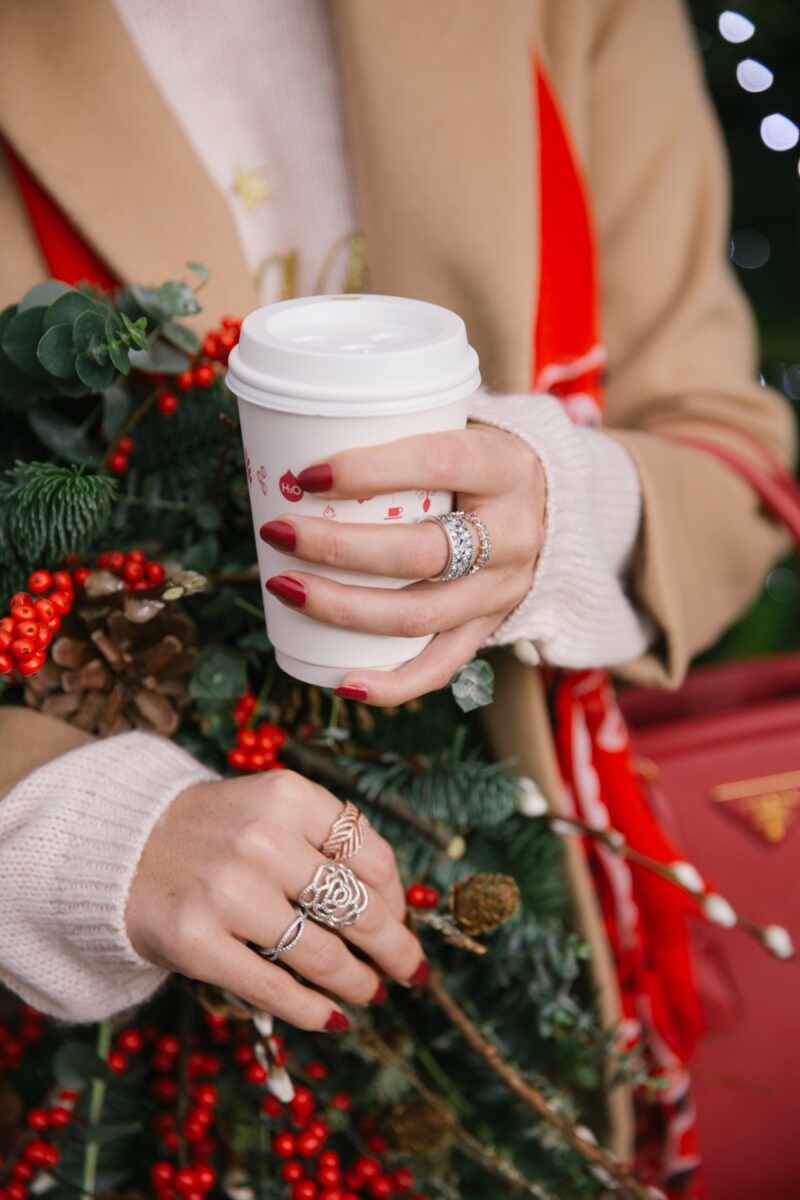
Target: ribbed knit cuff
(577,613)
(71,836)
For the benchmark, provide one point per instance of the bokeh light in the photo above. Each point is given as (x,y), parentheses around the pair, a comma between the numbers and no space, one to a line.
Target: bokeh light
(779,133)
(753,76)
(735,27)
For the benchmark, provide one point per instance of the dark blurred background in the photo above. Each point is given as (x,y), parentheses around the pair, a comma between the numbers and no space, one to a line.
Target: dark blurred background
(765,233)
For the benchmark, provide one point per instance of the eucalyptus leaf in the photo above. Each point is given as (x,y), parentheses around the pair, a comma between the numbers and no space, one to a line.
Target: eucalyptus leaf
(181,336)
(117,405)
(200,270)
(16,388)
(67,308)
(44,294)
(218,674)
(97,376)
(178,299)
(56,351)
(116,343)
(21,337)
(159,357)
(62,436)
(473,685)
(135,329)
(88,326)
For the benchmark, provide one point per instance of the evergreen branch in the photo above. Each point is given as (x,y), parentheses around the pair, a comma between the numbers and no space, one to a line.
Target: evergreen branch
(50,510)
(328,771)
(601,1159)
(485,1156)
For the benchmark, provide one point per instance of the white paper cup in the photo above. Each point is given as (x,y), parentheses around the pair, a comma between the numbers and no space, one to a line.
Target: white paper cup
(328,373)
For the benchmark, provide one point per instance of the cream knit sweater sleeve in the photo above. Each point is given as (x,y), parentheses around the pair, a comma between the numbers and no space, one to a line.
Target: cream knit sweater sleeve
(578,612)
(71,835)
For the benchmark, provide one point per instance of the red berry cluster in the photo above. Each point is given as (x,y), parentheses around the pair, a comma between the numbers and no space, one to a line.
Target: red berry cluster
(419,895)
(216,347)
(118,460)
(133,567)
(244,708)
(199,1177)
(257,749)
(35,1152)
(33,619)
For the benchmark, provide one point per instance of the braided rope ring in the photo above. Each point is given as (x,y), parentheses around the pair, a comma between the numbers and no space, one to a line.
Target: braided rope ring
(347,833)
(288,939)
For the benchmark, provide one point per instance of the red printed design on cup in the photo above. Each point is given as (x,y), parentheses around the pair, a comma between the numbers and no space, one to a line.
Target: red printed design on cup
(394,512)
(249,465)
(425,497)
(261,476)
(329,511)
(290,488)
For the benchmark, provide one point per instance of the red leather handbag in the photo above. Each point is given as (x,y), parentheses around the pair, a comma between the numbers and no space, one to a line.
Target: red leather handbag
(722,758)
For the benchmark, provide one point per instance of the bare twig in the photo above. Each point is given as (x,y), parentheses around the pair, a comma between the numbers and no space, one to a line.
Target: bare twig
(488,1158)
(532,1097)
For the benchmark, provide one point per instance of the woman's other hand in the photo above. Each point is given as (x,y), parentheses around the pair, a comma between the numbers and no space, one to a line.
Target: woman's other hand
(223,867)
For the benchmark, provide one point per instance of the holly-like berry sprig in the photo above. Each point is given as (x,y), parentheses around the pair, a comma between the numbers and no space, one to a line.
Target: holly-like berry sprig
(34,617)
(203,374)
(33,620)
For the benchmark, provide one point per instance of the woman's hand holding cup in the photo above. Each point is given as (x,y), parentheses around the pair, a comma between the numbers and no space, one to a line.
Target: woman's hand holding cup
(494,474)
(224,867)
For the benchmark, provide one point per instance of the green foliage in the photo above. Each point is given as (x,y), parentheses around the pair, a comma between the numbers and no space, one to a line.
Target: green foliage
(457,786)
(473,685)
(48,511)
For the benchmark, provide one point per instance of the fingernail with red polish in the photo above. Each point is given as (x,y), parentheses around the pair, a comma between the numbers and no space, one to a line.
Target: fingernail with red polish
(421,975)
(337,1022)
(290,591)
(318,478)
(352,691)
(279,534)
(381,994)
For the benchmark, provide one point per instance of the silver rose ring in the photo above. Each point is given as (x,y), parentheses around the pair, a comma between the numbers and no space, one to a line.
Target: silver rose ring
(335,897)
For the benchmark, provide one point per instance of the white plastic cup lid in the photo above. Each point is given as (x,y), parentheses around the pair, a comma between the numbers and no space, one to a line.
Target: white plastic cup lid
(353,355)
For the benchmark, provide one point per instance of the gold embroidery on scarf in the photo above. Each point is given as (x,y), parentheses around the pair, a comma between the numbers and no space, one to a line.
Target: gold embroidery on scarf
(355,276)
(251,186)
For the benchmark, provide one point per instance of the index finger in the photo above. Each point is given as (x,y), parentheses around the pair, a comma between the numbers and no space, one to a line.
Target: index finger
(461,460)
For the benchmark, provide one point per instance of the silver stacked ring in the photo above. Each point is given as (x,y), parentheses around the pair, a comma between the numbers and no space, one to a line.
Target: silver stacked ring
(484,542)
(461,545)
(335,897)
(288,939)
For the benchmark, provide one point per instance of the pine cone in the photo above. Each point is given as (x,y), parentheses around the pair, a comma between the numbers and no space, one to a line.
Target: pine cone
(482,902)
(122,661)
(420,1128)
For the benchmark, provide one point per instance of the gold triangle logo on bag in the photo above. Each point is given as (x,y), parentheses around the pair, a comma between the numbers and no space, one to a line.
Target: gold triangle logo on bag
(768,806)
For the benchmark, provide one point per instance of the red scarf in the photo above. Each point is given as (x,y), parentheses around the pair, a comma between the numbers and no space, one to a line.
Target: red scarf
(645,918)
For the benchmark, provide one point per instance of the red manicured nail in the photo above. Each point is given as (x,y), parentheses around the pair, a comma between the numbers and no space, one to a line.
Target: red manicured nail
(337,1022)
(381,994)
(279,534)
(318,478)
(291,591)
(352,691)
(421,975)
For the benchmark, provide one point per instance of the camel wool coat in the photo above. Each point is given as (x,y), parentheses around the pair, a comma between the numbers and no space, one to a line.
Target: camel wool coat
(441,118)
